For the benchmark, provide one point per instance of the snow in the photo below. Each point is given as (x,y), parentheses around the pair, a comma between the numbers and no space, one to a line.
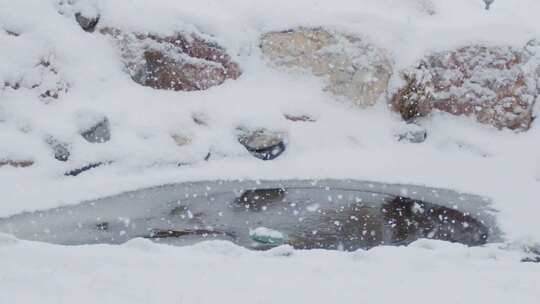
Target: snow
(344,142)
(217,272)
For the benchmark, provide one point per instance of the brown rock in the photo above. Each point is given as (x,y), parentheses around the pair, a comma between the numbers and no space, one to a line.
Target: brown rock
(181,62)
(354,69)
(487,83)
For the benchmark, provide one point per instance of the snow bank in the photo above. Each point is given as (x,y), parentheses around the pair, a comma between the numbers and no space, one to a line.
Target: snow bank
(218,272)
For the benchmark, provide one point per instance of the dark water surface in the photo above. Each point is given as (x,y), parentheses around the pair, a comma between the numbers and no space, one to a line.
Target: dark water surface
(327,214)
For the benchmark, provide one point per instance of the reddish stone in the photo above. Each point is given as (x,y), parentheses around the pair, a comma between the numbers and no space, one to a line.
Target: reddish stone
(181,62)
(488,83)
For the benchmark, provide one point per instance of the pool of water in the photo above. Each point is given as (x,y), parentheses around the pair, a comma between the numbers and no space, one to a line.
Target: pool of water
(306,214)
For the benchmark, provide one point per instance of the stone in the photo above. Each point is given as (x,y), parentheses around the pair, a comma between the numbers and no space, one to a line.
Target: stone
(16,163)
(60,149)
(12,33)
(180,62)
(98,132)
(44,79)
(87,23)
(200,119)
(533,254)
(413,134)
(181,140)
(299,118)
(426,7)
(353,68)
(490,84)
(262,143)
(83,169)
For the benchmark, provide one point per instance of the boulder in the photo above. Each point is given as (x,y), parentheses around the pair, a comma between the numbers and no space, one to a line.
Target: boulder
(491,84)
(262,143)
(353,68)
(180,62)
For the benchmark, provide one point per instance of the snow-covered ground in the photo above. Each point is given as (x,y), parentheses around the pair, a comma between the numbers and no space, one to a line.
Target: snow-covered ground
(215,272)
(344,142)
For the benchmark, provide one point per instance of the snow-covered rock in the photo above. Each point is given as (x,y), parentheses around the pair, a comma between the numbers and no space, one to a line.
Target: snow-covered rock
(412,133)
(181,139)
(354,68)
(96,128)
(299,118)
(60,149)
(262,143)
(180,62)
(43,79)
(489,83)
(16,163)
(88,23)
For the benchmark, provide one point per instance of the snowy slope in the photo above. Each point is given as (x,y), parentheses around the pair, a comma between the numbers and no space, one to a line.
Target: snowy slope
(344,142)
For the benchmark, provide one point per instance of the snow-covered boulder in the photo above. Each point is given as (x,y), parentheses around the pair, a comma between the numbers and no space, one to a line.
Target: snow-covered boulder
(489,83)
(180,62)
(354,68)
